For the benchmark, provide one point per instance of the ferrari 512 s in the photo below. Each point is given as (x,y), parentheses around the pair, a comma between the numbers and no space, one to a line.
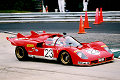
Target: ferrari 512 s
(65,49)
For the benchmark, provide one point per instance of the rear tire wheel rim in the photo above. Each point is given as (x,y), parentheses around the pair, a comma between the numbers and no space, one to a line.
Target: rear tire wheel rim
(20,52)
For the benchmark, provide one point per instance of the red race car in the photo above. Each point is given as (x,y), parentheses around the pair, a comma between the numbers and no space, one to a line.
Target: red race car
(55,46)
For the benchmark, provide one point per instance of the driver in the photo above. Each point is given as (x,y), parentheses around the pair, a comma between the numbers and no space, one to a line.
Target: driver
(54,40)
(60,42)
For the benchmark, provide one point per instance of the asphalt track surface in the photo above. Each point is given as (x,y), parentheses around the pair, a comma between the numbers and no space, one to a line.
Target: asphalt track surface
(69,27)
(38,69)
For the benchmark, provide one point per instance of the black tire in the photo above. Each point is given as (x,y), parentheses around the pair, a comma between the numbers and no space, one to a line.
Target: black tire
(65,58)
(21,53)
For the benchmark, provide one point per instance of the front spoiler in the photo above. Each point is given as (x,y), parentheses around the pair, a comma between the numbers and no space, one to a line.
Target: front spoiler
(95,63)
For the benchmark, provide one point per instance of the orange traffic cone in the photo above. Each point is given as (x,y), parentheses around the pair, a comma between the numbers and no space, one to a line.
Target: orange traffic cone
(101,16)
(97,18)
(86,23)
(81,27)
(46,8)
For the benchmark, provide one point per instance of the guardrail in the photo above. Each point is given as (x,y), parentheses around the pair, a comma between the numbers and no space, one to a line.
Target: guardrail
(56,16)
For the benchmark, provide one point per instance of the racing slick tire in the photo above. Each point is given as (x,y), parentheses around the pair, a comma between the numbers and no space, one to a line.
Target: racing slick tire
(21,53)
(65,58)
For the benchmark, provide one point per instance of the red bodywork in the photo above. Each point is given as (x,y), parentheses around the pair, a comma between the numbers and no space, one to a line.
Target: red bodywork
(36,45)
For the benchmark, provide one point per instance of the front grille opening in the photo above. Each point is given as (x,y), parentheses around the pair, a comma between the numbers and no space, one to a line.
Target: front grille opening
(94,62)
(108,58)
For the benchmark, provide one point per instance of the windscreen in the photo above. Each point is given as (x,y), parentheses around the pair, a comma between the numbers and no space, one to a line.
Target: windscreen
(67,41)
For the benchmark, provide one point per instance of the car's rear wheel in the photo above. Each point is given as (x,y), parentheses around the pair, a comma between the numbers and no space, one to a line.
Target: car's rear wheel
(65,58)
(21,53)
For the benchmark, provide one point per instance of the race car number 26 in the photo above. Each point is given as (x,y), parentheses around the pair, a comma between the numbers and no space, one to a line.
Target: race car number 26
(48,53)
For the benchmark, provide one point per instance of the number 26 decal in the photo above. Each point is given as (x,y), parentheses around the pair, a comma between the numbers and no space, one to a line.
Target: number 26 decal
(48,53)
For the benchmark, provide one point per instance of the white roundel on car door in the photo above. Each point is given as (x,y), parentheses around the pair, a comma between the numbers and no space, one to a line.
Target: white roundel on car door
(92,51)
(48,53)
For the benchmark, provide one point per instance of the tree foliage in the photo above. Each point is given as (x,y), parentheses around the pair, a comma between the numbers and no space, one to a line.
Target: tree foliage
(107,5)
(22,5)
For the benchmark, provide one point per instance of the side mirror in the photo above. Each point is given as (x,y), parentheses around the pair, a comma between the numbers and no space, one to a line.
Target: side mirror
(70,44)
(64,33)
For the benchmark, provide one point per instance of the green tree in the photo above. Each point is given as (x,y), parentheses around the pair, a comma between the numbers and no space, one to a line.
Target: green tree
(22,5)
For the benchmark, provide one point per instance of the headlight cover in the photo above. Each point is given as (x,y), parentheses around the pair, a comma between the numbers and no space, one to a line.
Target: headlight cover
(81,55)
(107,49)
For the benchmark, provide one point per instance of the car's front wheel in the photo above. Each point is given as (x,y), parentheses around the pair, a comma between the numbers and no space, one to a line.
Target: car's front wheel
(21,53)
(65,58)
